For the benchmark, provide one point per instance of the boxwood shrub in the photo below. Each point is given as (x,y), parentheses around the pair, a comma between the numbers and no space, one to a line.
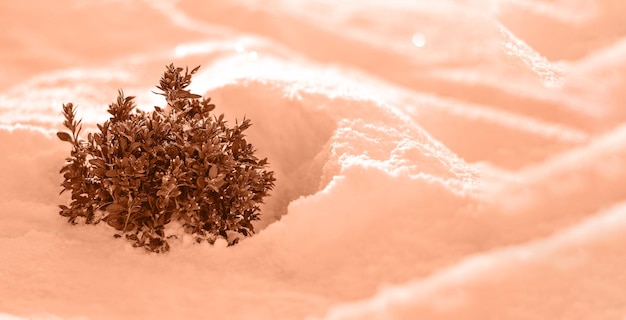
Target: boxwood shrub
(141,171)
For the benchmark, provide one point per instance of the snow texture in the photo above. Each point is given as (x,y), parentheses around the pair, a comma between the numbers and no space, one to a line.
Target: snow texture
(453,159)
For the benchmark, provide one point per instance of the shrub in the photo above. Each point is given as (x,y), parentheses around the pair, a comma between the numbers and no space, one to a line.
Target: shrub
(144,170)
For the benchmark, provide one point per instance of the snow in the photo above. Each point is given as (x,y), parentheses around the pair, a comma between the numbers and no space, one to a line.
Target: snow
(458,160)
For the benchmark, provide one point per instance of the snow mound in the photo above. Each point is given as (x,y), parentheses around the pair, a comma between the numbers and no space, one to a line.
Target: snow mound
(459,159)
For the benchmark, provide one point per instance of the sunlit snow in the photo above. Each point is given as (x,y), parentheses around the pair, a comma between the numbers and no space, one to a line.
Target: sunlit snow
(456,159)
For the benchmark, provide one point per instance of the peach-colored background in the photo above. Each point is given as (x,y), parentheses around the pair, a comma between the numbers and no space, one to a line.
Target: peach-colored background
(457,159)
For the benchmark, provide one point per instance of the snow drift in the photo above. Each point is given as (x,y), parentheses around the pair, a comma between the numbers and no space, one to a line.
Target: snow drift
(465,159)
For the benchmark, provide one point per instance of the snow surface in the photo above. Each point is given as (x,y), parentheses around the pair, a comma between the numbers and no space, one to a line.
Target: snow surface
(457,159)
